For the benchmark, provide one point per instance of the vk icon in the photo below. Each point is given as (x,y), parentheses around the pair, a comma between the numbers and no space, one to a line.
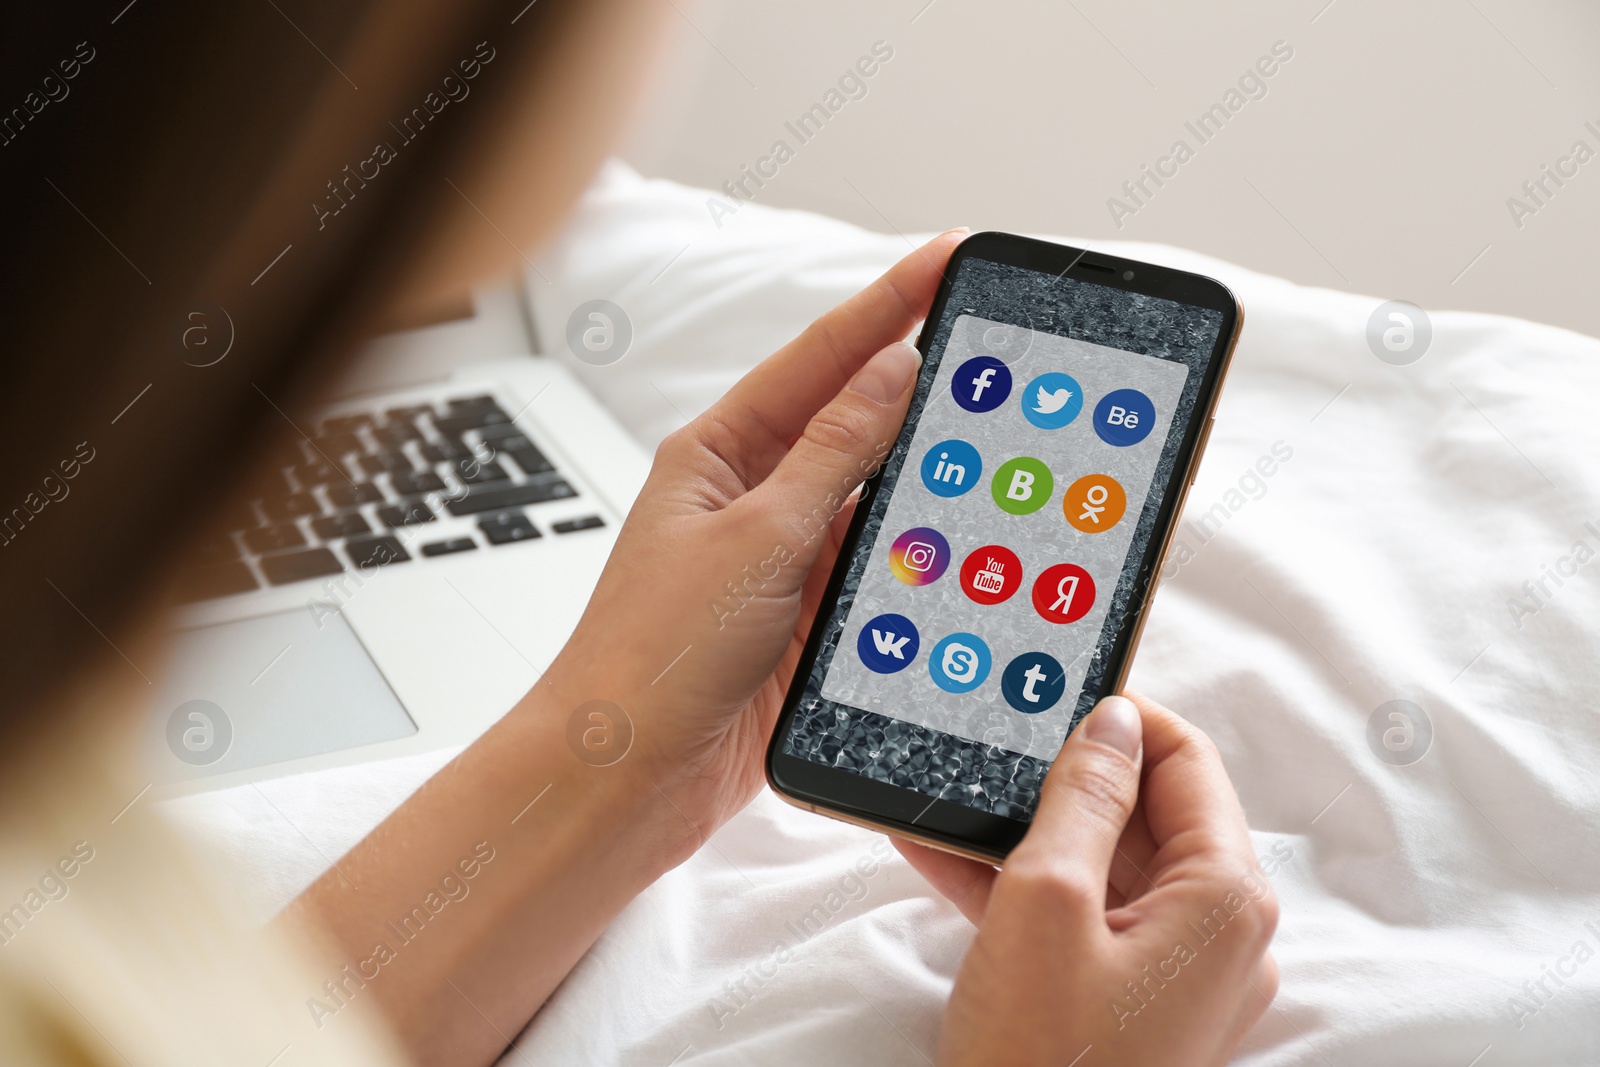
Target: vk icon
(887,644)
(959,663)
(1052,400)
(1033,682)
(1124,417)
(981,384)
(951,468)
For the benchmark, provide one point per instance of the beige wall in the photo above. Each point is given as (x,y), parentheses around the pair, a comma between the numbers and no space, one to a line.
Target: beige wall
(1379,161)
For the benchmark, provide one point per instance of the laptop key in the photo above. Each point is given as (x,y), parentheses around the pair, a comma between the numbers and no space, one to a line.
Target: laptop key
(222,579)
(350,524)
(480,499)
(347,495)
(588,522)
(503,431)
(379,462)
(410,513)
(506,527)
(445,548)
(298,566)
(396,432)
(476,472)
(455,425)
(370,552)
(290,506)
(474,403)
(274,538)
(531,460)
(318,472)
(335,446)
(411,483)
(443,451)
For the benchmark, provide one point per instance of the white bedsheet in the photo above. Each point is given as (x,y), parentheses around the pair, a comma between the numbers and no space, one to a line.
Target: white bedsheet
(1377,562)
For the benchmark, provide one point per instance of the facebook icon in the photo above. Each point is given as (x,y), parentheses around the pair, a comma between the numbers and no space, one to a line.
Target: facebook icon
(981,384)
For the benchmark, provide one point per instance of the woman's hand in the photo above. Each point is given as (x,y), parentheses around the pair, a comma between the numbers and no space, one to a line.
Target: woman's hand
(1131,925)
(696,626)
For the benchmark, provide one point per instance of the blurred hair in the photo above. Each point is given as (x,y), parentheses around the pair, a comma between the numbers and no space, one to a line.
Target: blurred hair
(163,177)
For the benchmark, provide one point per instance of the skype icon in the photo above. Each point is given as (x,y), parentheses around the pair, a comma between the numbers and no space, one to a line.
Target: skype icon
(960,663)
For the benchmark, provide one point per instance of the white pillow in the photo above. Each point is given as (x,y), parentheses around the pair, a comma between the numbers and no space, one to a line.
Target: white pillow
(1407,514)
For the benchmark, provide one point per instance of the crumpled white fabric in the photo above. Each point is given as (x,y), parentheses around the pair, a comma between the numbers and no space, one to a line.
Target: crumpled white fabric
(1431,913)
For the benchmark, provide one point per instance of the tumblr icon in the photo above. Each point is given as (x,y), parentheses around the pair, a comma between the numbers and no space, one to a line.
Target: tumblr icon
(1033,682)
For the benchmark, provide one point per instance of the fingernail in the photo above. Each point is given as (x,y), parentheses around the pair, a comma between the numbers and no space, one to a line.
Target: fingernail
(1115,722)
(887,374)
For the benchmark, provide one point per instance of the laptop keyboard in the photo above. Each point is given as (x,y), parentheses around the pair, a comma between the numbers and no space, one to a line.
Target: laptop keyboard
(362,491)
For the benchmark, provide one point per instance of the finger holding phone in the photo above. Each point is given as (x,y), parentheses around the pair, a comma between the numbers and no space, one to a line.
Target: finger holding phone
(1131,924)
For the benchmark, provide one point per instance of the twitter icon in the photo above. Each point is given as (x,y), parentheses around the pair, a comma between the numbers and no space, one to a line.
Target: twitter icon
(1052,400)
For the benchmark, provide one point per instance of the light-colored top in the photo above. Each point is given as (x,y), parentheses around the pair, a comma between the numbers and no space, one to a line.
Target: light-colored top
(119,947)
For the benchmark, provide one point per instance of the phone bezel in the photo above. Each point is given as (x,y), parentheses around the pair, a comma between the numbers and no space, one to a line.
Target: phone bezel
(945,824)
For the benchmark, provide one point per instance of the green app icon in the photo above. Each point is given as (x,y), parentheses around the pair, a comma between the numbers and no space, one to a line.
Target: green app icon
(1022,486)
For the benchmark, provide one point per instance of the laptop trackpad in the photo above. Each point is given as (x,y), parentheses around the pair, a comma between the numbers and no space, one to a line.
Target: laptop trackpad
(279,687)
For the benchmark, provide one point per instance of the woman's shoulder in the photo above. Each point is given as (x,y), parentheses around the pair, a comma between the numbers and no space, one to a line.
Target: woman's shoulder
(118,945)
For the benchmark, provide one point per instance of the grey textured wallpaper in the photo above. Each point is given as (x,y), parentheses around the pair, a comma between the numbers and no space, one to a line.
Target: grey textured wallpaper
(971,747)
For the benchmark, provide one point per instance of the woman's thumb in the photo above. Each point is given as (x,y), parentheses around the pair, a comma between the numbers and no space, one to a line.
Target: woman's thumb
(843,445)
(1088,797)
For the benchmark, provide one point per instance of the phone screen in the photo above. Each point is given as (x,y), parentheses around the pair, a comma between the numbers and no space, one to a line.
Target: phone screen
(995,569)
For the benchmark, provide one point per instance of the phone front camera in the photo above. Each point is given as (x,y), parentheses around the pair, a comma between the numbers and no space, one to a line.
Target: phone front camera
(1127,275)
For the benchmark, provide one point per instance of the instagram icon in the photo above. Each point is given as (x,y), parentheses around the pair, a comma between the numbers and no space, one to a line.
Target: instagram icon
(919,556)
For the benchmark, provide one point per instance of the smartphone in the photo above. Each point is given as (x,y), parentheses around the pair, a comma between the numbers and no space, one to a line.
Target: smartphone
(1001,561)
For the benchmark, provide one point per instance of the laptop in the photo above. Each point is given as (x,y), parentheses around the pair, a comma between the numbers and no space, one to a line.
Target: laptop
(420,552)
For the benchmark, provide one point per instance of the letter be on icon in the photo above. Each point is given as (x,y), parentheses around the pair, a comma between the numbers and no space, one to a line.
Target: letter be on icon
(1124,417)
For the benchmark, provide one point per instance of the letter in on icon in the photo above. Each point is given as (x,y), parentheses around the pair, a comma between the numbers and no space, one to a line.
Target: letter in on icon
(951,468)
